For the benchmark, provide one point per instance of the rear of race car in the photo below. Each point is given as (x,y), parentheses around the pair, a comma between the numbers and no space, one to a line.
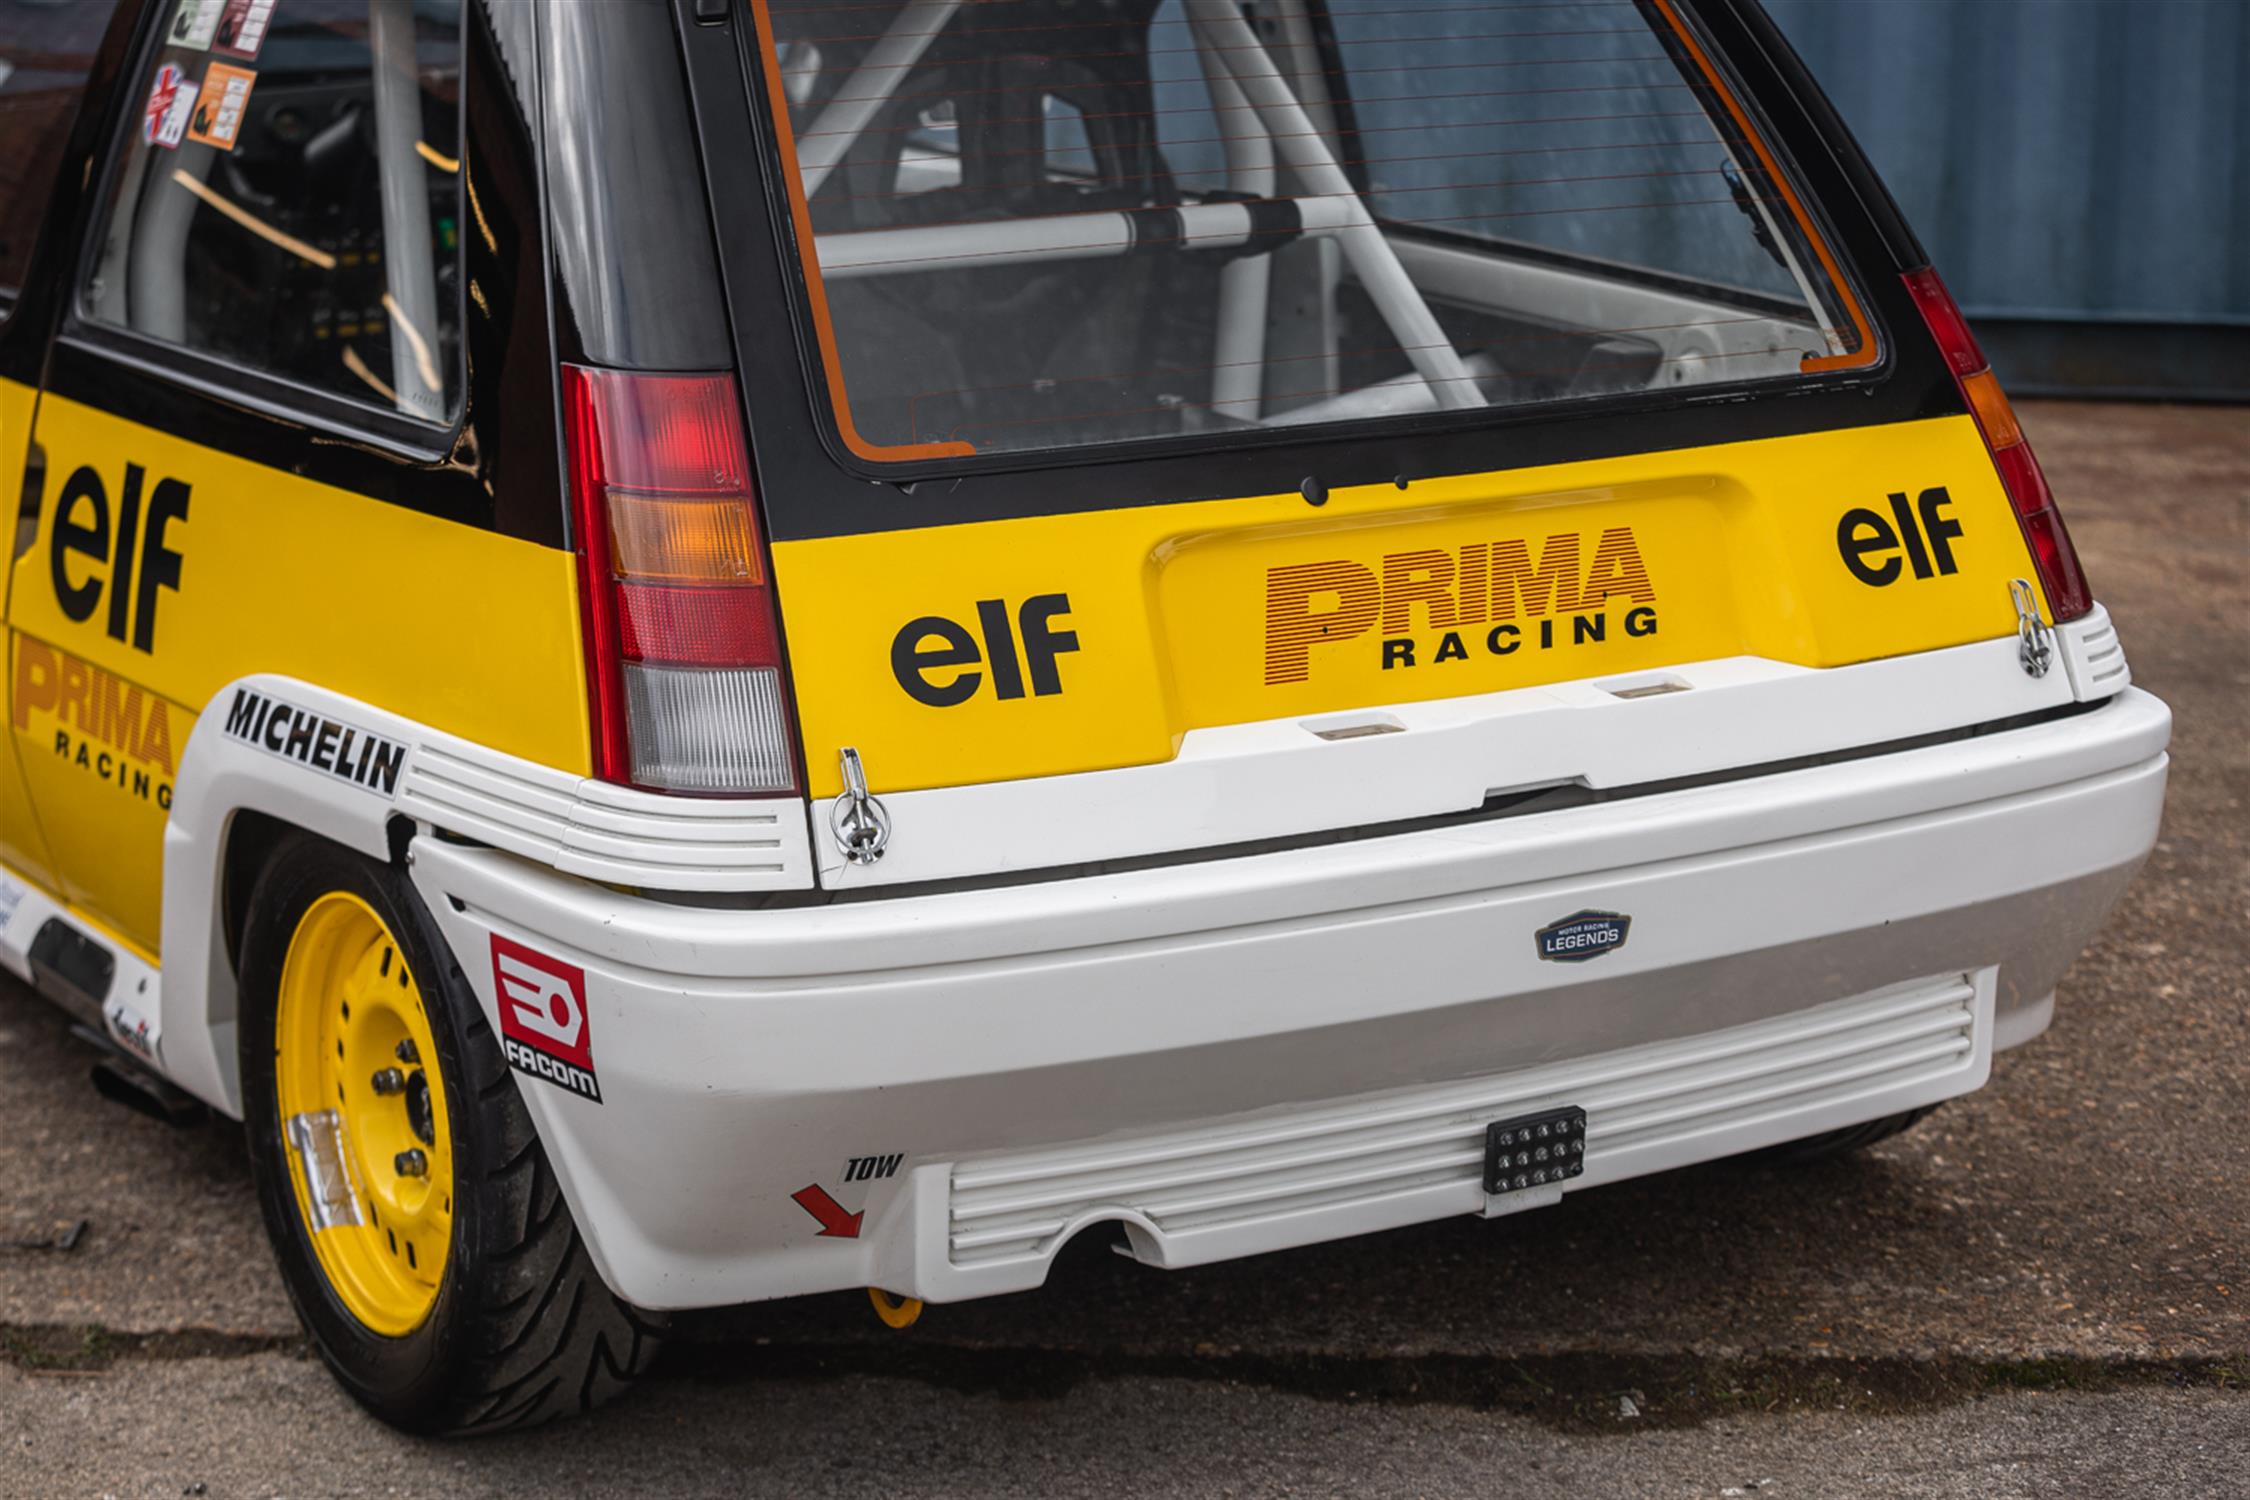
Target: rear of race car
(1259,622)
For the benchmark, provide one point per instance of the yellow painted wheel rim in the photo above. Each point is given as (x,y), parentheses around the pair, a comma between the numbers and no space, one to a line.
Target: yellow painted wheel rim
(351,1036)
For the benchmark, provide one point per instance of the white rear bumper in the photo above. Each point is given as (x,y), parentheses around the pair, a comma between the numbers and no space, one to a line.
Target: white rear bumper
(1242,1054)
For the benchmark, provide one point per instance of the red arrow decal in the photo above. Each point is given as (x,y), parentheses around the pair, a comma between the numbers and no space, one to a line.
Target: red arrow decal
(834,1222)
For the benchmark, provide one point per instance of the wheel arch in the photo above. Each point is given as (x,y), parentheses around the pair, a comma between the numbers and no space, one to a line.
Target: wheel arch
(234,802)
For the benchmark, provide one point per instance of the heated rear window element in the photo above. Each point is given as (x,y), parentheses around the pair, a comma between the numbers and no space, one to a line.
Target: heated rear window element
(1040,224)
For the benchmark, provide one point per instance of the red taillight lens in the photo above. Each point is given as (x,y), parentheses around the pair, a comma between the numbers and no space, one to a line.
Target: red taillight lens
(682,646)
(2043,530)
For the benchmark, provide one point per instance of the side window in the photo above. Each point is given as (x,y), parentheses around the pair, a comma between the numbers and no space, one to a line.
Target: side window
(289,198)
(1070,151)
(930,156)
(46,50)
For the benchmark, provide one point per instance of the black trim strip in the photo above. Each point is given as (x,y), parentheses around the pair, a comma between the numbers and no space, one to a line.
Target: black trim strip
(1507,805)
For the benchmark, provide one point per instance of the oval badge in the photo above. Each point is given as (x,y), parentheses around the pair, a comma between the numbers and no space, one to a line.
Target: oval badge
(1587,934)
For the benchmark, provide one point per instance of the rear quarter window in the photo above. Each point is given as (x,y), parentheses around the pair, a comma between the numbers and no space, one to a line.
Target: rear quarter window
(289,197)
(1029,225)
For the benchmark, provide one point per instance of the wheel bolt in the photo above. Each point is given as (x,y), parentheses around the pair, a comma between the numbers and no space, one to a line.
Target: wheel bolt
(406,1052)
(389,1081)
(411,1163)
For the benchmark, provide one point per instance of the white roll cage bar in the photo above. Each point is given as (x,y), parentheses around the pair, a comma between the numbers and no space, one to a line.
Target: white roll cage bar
(1264,121)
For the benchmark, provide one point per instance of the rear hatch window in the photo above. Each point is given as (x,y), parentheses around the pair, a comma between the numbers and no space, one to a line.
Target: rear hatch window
(1031,227)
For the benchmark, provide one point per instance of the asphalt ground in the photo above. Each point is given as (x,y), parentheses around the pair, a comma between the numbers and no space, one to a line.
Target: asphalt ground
(2044,1289)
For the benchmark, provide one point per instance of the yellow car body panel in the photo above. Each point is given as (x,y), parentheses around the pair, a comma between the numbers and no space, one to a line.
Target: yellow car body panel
(181,568)
(1036,647)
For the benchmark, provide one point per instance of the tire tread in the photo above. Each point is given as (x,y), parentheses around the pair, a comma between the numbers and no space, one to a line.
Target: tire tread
(533,1332)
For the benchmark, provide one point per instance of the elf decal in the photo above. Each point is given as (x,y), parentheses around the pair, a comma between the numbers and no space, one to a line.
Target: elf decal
(1431,606)
(128,562)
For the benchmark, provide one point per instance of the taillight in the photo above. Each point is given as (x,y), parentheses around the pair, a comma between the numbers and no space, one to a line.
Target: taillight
(683,654)
(2020,475)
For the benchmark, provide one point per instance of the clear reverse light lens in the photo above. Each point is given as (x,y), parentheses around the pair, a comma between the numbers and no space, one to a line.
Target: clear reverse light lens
(699,729)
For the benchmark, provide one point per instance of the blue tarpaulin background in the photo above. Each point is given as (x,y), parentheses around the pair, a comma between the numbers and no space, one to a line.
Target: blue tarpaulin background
(2079,170)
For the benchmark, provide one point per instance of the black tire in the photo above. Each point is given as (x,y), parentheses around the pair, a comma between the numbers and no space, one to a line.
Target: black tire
(1834,1143)
(523,1329)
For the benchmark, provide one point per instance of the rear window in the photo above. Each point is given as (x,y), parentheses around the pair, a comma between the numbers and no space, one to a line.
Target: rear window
(1042,224)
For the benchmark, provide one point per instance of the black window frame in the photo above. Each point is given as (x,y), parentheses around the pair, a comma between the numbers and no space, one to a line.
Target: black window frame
(220,379)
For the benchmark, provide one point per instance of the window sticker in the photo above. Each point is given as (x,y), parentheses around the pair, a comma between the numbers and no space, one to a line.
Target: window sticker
(242,27)
(219,108)
(196,22)
(171,100)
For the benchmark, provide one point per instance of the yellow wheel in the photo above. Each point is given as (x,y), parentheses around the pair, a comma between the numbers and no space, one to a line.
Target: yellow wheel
(363,1111)
(415,1219)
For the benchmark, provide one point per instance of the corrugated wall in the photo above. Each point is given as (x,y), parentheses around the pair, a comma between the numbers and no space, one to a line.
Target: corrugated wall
(2065,161)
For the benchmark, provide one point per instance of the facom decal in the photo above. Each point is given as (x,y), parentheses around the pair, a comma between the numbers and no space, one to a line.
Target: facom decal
(1923,533)
(1432,606)
(934,644)
(543,1026)
(1583,935)
(100,723)
(353,755)
(140,560)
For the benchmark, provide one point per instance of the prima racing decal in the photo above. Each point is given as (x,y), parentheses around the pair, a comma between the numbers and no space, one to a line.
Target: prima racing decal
(543,1027)
(1494,597)
(1583,935)
(361,757)
(101,724)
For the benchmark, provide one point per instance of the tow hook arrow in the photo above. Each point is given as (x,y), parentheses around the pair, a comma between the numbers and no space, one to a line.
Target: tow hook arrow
(834,1222)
